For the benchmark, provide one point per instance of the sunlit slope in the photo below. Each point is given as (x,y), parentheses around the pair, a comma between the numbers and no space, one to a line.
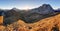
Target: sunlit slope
(47,24)
(1,19)
(1,22)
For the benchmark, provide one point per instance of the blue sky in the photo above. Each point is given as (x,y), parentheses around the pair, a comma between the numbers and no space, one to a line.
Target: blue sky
(24,4)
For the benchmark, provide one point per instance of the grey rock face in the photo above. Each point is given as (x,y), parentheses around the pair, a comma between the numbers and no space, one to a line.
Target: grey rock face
(44,9)
(39,13)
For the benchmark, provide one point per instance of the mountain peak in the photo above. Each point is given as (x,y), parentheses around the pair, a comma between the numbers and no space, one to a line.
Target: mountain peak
(46,6)
(45,9)
(14,9)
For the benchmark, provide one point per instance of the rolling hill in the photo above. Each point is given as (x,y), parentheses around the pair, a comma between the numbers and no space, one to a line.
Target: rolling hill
(47,24)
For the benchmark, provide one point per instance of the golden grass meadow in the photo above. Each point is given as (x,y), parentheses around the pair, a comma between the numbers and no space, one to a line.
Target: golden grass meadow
(46,24)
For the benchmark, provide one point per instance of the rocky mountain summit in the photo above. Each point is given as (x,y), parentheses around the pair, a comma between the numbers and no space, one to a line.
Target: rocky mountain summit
(39,13)
(44,9)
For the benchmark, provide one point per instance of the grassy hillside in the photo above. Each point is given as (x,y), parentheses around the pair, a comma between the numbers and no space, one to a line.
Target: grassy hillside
(47,24)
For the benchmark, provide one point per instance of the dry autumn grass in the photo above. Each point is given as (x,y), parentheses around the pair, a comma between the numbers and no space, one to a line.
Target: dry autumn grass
(1,19)
(47,24)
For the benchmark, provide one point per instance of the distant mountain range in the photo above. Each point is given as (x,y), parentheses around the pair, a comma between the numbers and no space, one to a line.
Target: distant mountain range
(29,16)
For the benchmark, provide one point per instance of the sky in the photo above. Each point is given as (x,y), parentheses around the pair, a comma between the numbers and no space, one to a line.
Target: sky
(28,4)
